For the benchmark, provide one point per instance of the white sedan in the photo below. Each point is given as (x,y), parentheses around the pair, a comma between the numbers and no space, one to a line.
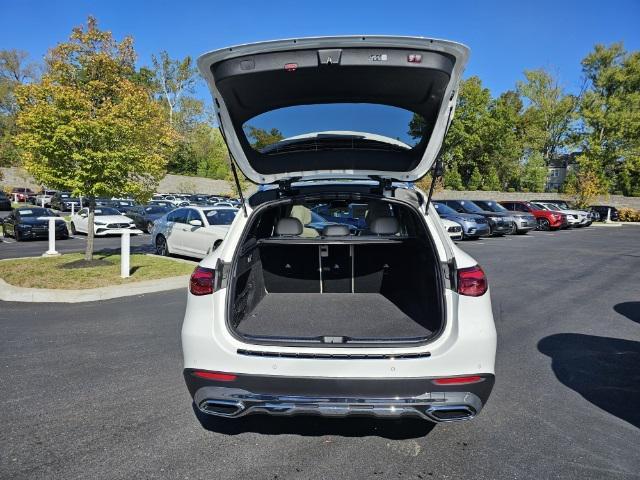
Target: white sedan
(453,229)
(106,221)
(192,231)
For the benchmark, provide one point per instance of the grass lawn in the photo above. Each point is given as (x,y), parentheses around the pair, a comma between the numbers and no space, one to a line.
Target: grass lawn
(42,272)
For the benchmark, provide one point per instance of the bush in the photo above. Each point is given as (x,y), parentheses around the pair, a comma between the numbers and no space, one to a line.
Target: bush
(511,189)
(628,215)
(618,192)
(525,190)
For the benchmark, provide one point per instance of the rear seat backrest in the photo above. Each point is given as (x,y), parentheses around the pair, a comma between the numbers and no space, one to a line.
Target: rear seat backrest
(335,231)
(289,227)
(385,226)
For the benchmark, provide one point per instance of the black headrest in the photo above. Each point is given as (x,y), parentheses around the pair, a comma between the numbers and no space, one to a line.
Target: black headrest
(289,226)
(384,226)
(335,231)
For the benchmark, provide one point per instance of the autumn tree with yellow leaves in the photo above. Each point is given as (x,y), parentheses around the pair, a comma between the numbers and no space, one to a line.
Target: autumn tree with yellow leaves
(90,125)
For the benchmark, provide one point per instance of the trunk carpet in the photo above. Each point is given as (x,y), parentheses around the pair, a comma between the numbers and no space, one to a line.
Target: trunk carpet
(369,315)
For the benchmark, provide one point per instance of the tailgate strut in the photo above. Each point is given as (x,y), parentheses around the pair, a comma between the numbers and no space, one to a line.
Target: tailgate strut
(438,168)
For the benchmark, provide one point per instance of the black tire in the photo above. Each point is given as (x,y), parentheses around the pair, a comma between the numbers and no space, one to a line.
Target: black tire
(162,248)
(514,229)
(16,236)
(72,227)
(149,227)
(544,225)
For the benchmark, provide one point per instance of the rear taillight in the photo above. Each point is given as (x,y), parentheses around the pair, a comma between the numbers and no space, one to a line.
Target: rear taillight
(472,281)
(457,380)
(219,376)
(201,282)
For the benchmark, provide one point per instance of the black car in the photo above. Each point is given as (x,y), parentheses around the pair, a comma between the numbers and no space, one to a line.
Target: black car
(27,223)
(5,202)
(499,223)
(603,210)
(62,201)
(145,215)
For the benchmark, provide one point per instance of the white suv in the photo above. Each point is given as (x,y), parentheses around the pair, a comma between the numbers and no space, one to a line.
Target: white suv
(337,290)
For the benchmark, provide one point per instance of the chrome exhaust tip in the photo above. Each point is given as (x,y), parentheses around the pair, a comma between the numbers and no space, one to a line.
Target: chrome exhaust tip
(222,408)
(450,413)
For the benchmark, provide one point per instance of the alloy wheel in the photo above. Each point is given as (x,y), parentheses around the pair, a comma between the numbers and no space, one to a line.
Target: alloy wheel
(544,225)
(161,246)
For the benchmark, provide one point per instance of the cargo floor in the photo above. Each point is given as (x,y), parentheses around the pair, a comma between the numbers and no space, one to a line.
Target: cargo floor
(361,315)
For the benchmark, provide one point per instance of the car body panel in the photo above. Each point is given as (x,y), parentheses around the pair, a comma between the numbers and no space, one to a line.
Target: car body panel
(190,240)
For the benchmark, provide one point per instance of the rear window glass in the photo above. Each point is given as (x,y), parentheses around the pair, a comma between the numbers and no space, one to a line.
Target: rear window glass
(220,217)
(334,126)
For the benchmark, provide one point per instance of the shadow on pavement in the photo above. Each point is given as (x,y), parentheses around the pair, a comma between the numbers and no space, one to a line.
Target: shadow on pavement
(312,426)
(631,310)
(605,371)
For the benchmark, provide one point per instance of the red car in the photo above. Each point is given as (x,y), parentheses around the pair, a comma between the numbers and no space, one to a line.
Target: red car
(22,194)
(547,220)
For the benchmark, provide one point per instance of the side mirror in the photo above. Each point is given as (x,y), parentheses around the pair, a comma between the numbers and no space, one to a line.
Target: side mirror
(195,223)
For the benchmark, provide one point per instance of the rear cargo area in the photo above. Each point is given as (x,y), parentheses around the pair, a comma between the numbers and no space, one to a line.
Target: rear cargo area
(377,290)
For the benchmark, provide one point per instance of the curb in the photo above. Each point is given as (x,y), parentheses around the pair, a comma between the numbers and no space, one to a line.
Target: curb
(608,225)
(11,293)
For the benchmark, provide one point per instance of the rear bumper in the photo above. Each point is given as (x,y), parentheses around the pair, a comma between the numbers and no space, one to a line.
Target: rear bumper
(389,398)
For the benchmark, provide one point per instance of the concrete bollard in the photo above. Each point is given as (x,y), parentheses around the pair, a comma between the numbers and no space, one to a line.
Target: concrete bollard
(125,251)
(52,237)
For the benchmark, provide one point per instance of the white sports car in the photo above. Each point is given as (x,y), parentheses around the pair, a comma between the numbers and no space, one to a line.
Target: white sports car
(107,221)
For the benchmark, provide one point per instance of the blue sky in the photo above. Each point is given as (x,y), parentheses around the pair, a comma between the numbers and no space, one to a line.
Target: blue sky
(505,37)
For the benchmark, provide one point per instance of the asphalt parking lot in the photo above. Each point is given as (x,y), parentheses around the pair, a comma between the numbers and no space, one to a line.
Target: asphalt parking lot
(95,390)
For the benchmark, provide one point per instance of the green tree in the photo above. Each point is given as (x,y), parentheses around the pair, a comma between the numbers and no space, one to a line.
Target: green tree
(610,112)
(549,115)
(534,173)
(174,78)
(15,70)
(491,180)
(260,138)
(475,180)
(89,126)
(452,178)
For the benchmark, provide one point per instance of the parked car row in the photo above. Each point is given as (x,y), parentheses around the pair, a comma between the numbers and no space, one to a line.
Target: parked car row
(479,218)
(191,231)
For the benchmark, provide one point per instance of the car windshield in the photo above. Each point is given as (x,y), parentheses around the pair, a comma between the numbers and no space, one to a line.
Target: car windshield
(443,209)
(470,206)
(491,206)
(334,126)
(220,216)
(106,211)
(37,212)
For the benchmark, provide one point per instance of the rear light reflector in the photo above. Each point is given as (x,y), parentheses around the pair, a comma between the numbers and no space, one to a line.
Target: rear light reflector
(201,282)
(219,376)
(472,281)
(290,67)
(458,380)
